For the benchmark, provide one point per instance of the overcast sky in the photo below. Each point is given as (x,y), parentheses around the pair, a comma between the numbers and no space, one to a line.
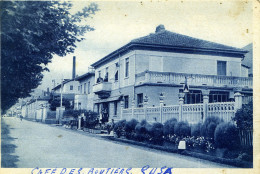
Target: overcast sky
(117,23)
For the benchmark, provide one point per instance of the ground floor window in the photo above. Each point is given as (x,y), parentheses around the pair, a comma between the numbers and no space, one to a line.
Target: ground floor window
(218,96)
(193,97)
(115,107)
(140,100)
(126,98)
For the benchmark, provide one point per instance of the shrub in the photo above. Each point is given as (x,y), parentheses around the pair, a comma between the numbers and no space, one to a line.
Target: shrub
(226,136)
(195,130)
(119,127)
(130,128)
(208,127)
(142,130)
(182,129)
(244,117)
(168,128)
(156,132)
(51,115)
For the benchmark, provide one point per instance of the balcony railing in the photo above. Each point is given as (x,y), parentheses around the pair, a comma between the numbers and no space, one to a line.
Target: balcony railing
(103,89)
(194,79)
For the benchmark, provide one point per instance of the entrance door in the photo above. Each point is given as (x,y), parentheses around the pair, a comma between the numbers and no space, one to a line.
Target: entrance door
(105,112)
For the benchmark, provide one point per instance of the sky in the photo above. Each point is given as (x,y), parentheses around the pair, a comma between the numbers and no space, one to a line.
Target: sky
(117,23)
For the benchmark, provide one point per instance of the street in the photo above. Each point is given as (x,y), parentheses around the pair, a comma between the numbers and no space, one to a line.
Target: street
(28,144)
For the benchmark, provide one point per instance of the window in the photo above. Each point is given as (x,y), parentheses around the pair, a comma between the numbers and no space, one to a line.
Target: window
(79,106)
(140,100)
(115,107)
(71,87)
(218,96)
(116,76)
(222,68)
(78,88)
(81,89)
(88,87)
(85,88)
(193,97)
(106,75)
(126,67)
(126,101)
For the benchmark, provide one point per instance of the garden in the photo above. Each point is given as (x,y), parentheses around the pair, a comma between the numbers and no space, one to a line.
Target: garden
(212,138)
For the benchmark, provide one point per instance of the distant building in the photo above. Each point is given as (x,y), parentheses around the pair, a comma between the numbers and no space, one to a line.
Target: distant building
(248,60)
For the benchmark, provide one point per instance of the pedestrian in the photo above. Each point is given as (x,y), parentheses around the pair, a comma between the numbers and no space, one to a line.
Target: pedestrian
(21,117)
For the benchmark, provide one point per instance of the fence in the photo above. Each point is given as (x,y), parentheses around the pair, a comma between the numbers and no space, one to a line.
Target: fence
(192,113)
(246,138)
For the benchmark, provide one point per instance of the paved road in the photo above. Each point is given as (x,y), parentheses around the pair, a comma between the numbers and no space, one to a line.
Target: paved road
(28,144)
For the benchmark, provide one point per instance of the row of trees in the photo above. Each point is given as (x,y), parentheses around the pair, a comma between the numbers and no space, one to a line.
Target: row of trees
(31,33)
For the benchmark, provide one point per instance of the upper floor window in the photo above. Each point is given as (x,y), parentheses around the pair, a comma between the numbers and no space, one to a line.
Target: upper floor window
(81,89)
(106,75)
(78,88)
(222,68)
(85,86)
(126,67)
(88,87)
(71,87)
(116,76)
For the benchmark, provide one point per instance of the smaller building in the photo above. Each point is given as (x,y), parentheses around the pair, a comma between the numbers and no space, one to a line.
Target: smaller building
(84,95)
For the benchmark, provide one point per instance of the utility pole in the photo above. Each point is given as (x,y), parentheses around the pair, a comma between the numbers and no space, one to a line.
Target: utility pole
(61,88)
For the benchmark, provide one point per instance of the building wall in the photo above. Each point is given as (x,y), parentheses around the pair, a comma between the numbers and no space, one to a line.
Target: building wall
(153,92)
(184,63)
(244,71)
(111,68)
(66,87)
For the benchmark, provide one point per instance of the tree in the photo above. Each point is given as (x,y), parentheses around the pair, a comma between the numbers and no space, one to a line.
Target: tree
(56,103)
(31,33)
(244,117)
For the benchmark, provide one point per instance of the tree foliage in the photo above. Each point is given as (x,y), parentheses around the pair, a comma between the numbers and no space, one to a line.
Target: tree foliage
(56,103)
(244,117)
(31,33)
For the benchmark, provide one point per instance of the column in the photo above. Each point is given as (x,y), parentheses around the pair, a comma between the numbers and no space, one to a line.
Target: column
(145,107)
(121,108)
(205,93)
(79,120)
(133,106)
(161,97)
(181,101)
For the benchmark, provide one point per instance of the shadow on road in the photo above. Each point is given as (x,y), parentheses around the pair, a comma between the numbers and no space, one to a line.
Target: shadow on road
(8,160)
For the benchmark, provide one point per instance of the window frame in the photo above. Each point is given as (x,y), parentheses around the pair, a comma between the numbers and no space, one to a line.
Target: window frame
(127,67)
(221,68)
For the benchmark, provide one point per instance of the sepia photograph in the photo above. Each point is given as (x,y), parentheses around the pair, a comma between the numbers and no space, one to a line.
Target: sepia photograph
(119,85)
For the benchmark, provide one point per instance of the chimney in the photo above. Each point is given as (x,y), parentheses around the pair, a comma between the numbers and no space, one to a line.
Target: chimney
(160,28)
(74,68)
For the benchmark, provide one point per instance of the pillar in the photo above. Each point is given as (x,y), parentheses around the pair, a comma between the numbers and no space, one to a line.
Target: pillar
(238,101)
(121,109)
(205,93)
(145,107)
(79,120)
(181,101)
(161,97)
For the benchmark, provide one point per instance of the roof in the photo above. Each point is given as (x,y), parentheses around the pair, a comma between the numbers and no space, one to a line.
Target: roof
(64,82)
(174,42)
(79,78)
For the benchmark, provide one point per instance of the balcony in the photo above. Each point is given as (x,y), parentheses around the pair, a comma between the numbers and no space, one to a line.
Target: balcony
(194,79)
(103,89)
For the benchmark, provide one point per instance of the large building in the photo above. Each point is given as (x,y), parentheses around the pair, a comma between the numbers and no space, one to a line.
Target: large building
(168,63)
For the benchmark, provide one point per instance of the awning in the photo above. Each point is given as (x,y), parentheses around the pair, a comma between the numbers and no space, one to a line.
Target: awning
(109,99)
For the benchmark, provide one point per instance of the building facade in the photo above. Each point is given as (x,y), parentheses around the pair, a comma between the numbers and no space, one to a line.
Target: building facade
(170,64)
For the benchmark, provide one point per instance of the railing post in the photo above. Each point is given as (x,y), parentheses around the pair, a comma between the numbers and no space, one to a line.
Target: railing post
(181,101)
(238,101)
(161,106)
(205,94)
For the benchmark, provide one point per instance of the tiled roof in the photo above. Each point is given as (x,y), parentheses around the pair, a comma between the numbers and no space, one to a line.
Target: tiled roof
(168,38)
(170,41)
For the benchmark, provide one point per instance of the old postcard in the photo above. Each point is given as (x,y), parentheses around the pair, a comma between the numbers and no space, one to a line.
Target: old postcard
(124,87)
